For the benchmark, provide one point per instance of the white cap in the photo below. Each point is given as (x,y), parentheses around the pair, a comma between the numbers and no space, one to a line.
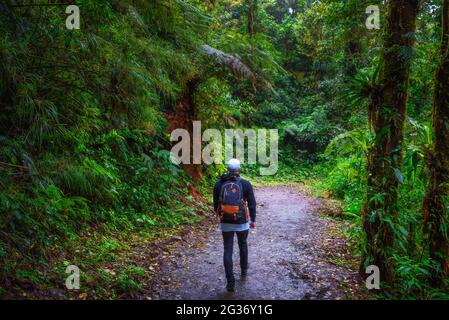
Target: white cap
(234,165)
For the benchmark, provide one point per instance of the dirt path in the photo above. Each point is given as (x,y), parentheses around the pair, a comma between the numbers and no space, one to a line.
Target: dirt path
(294,254)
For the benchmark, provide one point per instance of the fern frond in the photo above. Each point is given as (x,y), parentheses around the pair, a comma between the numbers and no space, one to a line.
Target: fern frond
(236,66)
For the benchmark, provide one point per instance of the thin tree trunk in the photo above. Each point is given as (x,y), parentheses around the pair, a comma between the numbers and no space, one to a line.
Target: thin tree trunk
(252,7)
(353,45)
(436,201)
(352,55)
(389,109)
(295,7)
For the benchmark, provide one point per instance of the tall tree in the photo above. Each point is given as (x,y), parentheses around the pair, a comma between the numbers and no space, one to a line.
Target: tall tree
(387,111)
(436,202)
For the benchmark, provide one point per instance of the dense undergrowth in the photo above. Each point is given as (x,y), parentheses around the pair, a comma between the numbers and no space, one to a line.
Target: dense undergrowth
(83,148)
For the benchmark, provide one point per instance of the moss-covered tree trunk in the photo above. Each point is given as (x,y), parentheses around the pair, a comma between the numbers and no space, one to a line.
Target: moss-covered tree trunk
(436,202)
(388,111)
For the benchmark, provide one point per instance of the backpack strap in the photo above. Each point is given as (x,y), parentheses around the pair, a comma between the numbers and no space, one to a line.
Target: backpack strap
(239,182)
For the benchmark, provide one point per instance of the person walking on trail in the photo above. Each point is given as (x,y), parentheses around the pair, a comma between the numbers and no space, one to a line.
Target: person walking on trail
(235,205)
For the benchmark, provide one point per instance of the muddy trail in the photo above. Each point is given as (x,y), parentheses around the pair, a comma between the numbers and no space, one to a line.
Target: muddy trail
(295,252)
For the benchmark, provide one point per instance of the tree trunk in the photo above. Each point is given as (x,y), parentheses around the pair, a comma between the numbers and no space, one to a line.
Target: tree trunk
(352,55)
(436,200)
(353,45)
(183,118)
(389,109)
(295,7)
(252,7)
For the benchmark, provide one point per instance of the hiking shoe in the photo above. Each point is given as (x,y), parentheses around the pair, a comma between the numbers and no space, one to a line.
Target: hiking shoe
(230,286)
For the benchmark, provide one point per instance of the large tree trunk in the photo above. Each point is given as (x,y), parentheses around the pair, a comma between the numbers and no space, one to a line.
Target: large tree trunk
(388,110)
(436,201)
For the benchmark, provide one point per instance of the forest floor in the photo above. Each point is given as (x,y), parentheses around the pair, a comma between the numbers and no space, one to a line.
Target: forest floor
(297,251)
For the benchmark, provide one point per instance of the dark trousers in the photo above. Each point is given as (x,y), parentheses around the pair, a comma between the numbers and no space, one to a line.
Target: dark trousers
(228,241)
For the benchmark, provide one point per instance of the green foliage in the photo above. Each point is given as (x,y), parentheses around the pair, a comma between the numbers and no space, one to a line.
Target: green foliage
(82,132)
(84,158)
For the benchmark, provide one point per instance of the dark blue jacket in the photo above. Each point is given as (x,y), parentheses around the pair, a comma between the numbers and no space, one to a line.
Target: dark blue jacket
(248,193)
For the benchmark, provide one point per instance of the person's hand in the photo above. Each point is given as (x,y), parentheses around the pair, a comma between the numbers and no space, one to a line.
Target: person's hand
(252,225)
(218,219)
